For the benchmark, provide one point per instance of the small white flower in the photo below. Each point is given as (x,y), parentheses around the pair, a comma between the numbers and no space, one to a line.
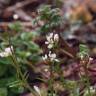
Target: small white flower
(4,54)
(81,56)
(7,52)
(46,42)
(45,57)
(51,40)
(90,58)
(56,37)
(15,16)
(50,46)
(37,90)
(51,56)
(49,37)
(56,60)
(46,70)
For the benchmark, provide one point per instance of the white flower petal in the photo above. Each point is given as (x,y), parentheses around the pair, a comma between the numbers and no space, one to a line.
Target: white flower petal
(15,16)
(90,58)
(46,70)
(46,42)
(2,54)
(56,37)
(45,57)
(37,90)
(51,35)
(49,53)
(8,49)
(7,52)
(50,46)
(53,55)
(48,38)
(56,60)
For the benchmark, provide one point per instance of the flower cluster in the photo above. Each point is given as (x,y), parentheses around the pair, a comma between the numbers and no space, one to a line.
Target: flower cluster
(7,52)
(50,56)
(52,39)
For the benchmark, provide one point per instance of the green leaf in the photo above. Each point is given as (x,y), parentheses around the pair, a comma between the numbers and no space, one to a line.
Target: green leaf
(35,58)
(27,36)
(45,28)
(83,51)
(84,48)
(5,81)
(18,89)
(5,61)
(33,47)
(16,26)
(23,54)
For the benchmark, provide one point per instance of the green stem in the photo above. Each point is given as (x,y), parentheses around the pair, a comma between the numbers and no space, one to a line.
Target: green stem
(88,83)
(87,78)
(19,72)
(51,78)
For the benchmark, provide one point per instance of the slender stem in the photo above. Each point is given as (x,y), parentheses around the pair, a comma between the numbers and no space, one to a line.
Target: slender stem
(88,83)
(19,72)
(87,78)
(51,82)
(67,53)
